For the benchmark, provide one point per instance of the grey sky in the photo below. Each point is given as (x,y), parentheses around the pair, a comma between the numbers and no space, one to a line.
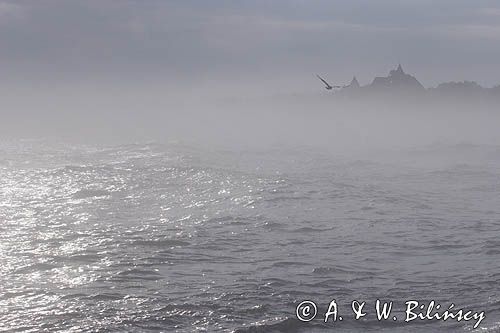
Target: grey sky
(247,42)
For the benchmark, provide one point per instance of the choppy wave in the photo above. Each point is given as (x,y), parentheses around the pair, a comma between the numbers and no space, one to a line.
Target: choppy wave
(171,238)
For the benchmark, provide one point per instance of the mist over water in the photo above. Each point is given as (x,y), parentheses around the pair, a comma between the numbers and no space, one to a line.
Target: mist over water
(137,213)
(231,234)
(125,113)
(133,212)
(179,166)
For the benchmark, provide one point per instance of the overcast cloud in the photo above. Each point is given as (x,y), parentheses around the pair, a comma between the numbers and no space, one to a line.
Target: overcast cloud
(248,41)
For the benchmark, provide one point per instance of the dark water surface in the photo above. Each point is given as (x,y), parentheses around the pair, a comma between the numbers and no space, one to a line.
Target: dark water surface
(170,238)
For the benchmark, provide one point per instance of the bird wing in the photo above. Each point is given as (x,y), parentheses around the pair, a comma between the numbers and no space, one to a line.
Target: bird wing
(326,83)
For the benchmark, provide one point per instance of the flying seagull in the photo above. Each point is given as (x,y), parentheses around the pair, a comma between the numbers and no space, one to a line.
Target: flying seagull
(327,85)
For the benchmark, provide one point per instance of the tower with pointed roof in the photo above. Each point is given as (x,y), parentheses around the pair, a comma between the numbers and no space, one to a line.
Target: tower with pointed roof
(397,80)
(354,83)
(397,72)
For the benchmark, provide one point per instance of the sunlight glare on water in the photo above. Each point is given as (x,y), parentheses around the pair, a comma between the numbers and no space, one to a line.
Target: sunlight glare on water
(150,237)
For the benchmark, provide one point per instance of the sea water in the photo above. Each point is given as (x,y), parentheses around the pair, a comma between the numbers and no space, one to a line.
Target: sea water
(175,238)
